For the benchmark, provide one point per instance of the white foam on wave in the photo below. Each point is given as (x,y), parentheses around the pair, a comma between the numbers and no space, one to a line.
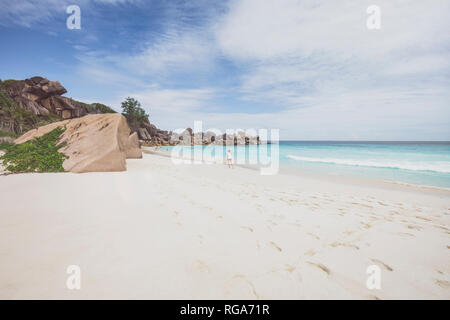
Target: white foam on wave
(443,167)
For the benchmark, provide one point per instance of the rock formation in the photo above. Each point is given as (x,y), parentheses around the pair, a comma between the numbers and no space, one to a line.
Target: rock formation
(93,143)
(187,137)
(150,135)
(33,102)
(133,150)
(42,97)
(26,104)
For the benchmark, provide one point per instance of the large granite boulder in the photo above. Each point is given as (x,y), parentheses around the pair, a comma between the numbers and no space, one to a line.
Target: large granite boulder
(93,143)
(133,150)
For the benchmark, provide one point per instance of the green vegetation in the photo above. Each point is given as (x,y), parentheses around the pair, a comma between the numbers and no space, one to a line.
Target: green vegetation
(14,118)
(100,108)
(131,109)
(96,107)
(8,134)
(47,119)
(87,106)
(4,146)
(22,119)
(7,82)
(38,155)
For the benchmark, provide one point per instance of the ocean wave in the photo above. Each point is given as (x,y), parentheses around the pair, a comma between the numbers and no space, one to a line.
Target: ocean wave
(442,167)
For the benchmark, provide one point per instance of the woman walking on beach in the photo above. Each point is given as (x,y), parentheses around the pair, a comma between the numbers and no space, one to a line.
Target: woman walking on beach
(230,159)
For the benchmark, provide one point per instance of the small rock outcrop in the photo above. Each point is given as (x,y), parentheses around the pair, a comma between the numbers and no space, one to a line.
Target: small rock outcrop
(150,135)
(93,143)
(187,137)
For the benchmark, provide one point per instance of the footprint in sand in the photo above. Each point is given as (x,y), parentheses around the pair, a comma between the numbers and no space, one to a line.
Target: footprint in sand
(366,225)
(274,245)
(314,236)
(414,227)
(384,265)
(198,266)
(362,205)
(290,268)
(239,283)
(342,244)
(247,228)
(405,234)
(423,218)
(320,266)
(442,283)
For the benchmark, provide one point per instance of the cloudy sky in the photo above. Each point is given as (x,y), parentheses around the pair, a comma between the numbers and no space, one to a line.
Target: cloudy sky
(310,68)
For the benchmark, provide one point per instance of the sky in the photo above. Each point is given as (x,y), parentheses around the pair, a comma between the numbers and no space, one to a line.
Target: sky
(312,69)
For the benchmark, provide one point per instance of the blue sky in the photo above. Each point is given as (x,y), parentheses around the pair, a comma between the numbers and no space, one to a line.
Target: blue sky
(309,68)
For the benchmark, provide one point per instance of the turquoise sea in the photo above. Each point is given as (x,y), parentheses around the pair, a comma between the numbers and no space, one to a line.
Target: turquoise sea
(420,163)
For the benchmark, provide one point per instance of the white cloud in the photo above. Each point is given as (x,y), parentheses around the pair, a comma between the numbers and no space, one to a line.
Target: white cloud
(171,101)
(413,65)
(319,60)
(273,28)
(326,75)
(171,53)
(97,73)
(31,13)
(27,13)
(115,2)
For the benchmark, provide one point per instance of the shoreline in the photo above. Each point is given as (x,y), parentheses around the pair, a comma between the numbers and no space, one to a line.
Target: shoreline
(349,179)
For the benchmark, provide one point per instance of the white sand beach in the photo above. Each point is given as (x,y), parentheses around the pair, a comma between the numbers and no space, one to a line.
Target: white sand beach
(165,231)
